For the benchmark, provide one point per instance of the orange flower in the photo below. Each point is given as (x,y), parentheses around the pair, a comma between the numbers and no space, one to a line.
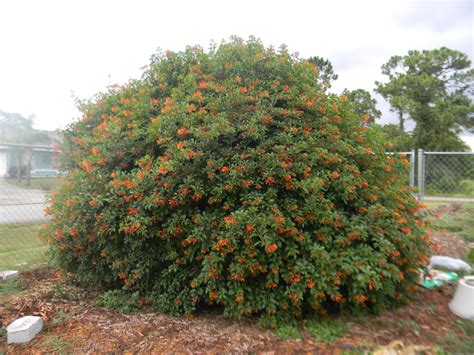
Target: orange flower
(271,248)
(361,298)
(406,230)
(308,104)
(181,145)
(337,298)
(243,90)
(198,96)
(269,180)
(239,298)
(86,165)
(246,183)
(368,150)
(213,295)
(173,202)
(140,175)
(196,197)
(279,219)
(203,85)
(132,211)
(229,219)
(182,131)
(154,102)
(335,175)
(388,168)
(238,79)
(249,228)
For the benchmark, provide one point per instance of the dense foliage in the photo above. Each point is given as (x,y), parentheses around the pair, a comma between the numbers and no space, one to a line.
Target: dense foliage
(434,89)
(232,177)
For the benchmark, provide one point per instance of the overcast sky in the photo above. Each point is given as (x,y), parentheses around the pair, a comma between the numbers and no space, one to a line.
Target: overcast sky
(51,49)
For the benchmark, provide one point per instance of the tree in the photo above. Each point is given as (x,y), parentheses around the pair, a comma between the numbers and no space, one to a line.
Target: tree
(363,104)
(401,140)
(325,70)
(232,177)
(17,129)
(434,88)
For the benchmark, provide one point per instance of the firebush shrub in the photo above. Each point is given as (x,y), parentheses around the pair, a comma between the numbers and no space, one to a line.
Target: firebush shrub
(232,177)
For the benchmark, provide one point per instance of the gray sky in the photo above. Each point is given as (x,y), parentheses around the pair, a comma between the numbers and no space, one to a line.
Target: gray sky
(51,49)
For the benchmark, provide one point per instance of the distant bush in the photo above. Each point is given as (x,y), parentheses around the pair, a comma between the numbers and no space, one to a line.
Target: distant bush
(232,177)
(467,186)
(13,171)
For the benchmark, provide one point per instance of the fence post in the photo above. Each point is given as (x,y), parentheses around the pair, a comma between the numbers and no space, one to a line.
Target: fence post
(412,168)
(421,174)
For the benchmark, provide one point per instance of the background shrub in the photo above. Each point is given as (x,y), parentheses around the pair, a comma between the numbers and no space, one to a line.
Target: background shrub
(13,171)
(233,177)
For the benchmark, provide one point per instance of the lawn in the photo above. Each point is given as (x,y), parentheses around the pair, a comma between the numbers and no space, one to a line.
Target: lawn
(20,247)
(460,223)
(38,183)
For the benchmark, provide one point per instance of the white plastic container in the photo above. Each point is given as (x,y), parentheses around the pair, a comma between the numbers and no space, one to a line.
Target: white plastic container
(462,304)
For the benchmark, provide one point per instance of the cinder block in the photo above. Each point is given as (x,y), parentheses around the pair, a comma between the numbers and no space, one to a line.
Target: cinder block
(24,329)
(9,274)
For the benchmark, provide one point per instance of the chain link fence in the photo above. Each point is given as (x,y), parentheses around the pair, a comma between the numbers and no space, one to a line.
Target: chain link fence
(446,176)
(27,176)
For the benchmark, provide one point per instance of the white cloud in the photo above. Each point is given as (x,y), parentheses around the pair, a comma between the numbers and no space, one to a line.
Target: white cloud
(54,48)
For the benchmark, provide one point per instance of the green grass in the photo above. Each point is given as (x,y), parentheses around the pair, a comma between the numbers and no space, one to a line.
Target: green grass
(287,331)
(38,183)
(11,287)
(462,223)
(325,330)
(20,247)
(55,344)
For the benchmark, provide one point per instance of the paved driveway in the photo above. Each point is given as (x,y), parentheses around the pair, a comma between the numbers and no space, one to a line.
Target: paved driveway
(18,205)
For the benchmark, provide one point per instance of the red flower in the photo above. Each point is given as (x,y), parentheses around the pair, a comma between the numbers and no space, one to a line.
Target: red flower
(335,175)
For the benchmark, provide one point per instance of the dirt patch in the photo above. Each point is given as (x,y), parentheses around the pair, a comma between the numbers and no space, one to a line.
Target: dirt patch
(451,245)
(77,324)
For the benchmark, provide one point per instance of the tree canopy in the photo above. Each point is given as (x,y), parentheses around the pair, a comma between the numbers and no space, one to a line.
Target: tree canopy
(433,88)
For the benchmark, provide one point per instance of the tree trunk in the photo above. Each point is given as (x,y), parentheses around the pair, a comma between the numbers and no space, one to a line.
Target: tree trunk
(402,120)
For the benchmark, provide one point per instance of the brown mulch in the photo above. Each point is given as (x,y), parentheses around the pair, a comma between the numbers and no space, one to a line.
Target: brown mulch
(77,325)
(89,328)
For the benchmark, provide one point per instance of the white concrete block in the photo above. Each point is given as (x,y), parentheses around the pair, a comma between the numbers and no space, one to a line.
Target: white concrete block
(9,274)
(24,329)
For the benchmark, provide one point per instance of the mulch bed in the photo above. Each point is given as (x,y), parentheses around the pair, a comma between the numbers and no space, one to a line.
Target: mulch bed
(81,326)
